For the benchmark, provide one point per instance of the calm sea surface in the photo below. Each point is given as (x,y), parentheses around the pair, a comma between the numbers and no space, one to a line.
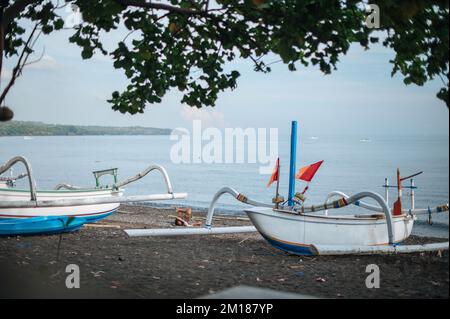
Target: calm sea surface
(352,164)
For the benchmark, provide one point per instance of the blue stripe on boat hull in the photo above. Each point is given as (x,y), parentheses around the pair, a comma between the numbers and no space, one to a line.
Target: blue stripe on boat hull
(96,218)
(40,225)
(289,248)
(47,224)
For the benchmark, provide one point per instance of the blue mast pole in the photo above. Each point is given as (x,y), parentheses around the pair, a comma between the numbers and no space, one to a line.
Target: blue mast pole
(292,166)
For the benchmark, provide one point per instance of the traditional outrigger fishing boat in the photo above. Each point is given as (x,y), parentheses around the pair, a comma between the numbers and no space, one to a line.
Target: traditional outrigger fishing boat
(299,229)
(66,207)
(304,231)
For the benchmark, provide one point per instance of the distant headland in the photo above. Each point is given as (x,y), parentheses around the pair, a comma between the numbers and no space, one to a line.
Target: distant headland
(22,128)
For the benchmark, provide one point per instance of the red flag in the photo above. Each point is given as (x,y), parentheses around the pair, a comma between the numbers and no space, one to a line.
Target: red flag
(275,173)
(398,204)
(307,173)
(397,208)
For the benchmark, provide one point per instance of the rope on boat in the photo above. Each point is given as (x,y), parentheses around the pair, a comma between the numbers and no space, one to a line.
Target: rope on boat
(24,161)
(66,186)
(357,203)
(438,209)
(13,179)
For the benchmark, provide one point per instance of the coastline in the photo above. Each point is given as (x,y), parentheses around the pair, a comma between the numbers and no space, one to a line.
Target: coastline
(116,266)
(29,130)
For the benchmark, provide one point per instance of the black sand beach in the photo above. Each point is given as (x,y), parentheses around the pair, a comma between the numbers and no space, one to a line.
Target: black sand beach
(112,265)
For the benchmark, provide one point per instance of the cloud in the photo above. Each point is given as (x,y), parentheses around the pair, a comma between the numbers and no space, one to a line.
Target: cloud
(46,63)
(210,117)
(101,97)
(99,57)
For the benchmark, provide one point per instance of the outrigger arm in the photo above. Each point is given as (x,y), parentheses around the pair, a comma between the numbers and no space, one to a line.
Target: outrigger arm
(34,202)
(130,180)
(24,161)
(240,197)
(153,167)
(434,210)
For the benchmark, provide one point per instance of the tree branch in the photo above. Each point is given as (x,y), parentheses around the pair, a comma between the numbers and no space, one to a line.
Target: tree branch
(160,6)
(15,9)
(20,63)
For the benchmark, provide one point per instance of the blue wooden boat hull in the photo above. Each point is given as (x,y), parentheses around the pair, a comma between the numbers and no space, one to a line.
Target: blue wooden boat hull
(97,217)
(290,248)
(40,225)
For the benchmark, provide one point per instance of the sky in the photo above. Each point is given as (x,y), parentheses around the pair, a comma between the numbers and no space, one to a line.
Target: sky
(359,98)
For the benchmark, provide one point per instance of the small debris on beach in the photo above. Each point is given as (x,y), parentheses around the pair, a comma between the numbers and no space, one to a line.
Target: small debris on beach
(435,283)
(97,273)
(296,266)
(320,279)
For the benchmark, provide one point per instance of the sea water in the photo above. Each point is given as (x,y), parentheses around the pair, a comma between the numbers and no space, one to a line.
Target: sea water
(352,164)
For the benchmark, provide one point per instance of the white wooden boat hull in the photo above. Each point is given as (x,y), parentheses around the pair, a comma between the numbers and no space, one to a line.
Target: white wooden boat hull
(298,234)
(89,212)
(12,194)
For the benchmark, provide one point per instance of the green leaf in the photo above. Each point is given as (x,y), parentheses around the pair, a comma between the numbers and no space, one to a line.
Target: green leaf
(59,24)
(87,53)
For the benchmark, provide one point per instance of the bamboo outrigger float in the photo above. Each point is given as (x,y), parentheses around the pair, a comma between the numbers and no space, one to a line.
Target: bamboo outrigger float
(67,207)
(310,230)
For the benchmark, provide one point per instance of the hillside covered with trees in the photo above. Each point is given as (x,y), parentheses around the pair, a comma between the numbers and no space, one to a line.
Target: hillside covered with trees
(20,128)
